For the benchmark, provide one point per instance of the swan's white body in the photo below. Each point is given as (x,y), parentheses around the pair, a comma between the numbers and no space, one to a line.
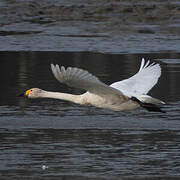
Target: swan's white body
(116,97)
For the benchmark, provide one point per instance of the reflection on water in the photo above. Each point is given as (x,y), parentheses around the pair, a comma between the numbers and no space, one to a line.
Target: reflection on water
(55,139)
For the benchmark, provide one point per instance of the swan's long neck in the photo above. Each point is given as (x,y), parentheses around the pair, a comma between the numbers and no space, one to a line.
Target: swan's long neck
(63,96)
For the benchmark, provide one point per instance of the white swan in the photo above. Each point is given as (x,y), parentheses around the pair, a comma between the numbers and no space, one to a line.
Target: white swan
(127,94)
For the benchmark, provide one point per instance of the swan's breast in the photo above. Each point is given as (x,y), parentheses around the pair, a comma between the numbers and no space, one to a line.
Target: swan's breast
(93,99)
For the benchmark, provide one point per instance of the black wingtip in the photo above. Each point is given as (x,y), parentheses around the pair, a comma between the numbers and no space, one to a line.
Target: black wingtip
(148,106)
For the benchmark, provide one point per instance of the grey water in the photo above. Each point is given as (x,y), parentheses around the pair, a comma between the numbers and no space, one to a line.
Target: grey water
(53,139)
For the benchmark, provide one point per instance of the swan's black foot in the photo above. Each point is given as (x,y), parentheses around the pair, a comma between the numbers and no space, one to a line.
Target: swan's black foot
(148,106)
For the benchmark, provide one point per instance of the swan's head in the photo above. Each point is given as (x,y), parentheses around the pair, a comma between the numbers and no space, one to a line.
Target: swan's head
(34,93)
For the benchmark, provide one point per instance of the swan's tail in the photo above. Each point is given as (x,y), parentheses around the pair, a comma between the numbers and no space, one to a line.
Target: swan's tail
(149,103)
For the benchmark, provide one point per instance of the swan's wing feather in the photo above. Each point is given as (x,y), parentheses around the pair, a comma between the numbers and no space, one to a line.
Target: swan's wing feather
(142,82)
(82,79)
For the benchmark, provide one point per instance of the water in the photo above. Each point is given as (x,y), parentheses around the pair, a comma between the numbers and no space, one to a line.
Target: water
(108,27)
(52,139)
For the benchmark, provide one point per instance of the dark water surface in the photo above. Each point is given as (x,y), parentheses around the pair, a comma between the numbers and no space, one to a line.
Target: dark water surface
(52,139)
(83,25)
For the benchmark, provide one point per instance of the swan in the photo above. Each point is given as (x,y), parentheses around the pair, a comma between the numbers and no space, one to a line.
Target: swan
(123,95)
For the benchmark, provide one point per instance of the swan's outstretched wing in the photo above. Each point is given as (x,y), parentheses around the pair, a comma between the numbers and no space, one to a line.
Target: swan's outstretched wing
(82,79)
(142,81)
